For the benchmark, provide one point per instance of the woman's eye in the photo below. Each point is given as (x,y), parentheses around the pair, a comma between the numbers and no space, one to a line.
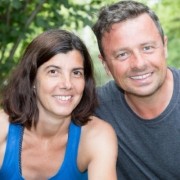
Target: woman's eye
(52,72)
(78,73)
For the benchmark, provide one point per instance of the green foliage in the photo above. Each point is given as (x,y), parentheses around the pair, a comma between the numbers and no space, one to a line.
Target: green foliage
(168,12)
(22,20)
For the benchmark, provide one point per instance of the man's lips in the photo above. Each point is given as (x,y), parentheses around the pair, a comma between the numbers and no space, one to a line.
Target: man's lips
(141,77)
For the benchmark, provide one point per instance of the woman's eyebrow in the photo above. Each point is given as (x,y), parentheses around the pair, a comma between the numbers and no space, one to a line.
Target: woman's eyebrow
(52,66)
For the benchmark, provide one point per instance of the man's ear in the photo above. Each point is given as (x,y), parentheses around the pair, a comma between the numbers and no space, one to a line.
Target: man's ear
(104,63)
(165,46)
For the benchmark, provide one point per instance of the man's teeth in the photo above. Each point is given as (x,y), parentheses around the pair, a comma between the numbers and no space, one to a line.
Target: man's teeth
(63,98)
(141,77)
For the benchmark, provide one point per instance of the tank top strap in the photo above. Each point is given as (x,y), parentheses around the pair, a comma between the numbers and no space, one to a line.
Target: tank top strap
(12,156)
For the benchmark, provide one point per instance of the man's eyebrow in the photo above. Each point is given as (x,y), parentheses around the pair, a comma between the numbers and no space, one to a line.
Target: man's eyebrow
(119,50)
(149,42)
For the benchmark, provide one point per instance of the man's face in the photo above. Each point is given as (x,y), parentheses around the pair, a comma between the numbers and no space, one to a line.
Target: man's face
(135,55)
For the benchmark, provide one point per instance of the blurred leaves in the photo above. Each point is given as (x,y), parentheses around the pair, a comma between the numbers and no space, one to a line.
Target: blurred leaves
(22,20)
(169,14)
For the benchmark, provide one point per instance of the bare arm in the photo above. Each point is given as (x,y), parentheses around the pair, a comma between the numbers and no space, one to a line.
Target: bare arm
(4,124)
(101,151)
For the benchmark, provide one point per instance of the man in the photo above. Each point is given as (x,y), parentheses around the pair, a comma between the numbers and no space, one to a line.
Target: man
(143,101)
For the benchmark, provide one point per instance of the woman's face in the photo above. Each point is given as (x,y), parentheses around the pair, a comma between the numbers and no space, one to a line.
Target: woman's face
(60,84)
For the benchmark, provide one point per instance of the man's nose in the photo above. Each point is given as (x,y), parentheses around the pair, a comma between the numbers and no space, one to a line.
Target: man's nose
(137,60)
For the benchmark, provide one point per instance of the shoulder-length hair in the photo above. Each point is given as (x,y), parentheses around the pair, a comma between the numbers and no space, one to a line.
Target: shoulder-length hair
(19,99)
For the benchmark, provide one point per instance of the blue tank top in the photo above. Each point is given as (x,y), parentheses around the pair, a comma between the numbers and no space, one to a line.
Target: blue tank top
(11,167)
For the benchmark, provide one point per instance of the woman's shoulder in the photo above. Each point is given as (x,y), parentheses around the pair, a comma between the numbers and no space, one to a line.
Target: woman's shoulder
(99,130)
(4,124)
(4,119)
(97,137)
(97,124)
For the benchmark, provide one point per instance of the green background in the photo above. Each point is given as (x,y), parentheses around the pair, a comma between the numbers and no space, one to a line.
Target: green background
(23,20)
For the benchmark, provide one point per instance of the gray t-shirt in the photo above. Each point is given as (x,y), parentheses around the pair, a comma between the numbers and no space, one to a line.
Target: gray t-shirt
(147,149)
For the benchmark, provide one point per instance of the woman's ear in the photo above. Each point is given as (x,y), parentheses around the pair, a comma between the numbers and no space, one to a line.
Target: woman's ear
(34,88)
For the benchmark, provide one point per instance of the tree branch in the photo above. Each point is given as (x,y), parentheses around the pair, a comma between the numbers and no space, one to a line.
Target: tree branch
(29,21)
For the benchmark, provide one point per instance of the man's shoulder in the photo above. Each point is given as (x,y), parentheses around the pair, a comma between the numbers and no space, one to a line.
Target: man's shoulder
(108,91)
(109,87)
(176,73)
(174,70)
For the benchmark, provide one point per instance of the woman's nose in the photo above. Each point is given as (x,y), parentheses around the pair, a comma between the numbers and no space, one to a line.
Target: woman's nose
(65,82)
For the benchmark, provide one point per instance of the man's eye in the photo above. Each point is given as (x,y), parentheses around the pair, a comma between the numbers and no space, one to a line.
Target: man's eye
(122,56)
(148,48)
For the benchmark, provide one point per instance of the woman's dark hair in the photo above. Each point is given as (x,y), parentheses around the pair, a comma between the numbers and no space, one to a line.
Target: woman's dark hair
(19,99)
(120,12)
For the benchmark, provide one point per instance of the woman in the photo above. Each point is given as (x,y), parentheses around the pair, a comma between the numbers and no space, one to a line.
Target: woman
(47,127)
